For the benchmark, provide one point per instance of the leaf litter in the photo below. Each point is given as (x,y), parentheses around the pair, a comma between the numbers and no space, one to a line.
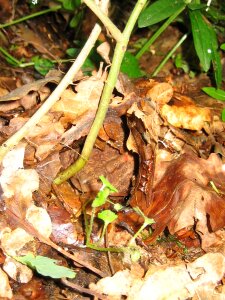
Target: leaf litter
(159,146)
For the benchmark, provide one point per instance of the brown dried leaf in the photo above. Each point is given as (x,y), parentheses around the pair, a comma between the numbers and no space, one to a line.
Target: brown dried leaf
(116,167)
(5,289)
(184,195)
(25,89)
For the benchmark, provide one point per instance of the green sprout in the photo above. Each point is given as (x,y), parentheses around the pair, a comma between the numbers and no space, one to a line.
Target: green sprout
(107,216)
(147,222)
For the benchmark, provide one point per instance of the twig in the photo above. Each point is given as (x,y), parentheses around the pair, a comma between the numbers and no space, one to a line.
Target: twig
(68,78)
(82,290)
(115,32)
(39,13)
(169,54)
(120,49)
(31,230)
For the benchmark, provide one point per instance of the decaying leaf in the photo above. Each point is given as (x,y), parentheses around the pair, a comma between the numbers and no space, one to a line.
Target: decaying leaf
(40,220)
(5,289)
(166,282)
(17,271)
(13,241)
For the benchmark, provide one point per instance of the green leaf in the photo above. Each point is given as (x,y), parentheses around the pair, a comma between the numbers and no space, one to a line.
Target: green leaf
(107,184)
(101,198)
(223,115)
(76,19)
(222,47)
(195,6)
(215,93)
(107,216)
(42,65)
(216,61)
(158,11)
(46,266)
(130,66)
(72,52)
(202,36)
(71,4)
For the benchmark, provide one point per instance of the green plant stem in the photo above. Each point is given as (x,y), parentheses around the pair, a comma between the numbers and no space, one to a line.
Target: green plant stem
(90,226)
(115,32)
(28,64)
(39,13)
(9,56)
(158,32)
(68,78)
(109,249)
(169,54)
(110,83)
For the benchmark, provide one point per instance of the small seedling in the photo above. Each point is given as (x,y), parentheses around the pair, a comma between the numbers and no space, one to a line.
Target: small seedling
(101,198)
(147,222)
(107,216)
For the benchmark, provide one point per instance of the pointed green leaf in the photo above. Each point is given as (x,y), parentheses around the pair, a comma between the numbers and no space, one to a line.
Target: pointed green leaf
(46,266)
(215,93)
(216,61)
(222,46)
(158,11)
(202,36)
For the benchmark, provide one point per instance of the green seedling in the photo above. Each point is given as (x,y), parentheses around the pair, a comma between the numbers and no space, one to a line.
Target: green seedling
(107,216)
(42,65)
(46,266)
(147,222)
(101,198)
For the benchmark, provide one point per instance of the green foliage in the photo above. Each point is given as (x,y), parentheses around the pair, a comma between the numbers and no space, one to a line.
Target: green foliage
(46,266)
(204,35)
(130,66)
(107,216)
(222,47)
(70,4)
(158,11)
(215,93)
(180,63)
(106,190)
(42,65)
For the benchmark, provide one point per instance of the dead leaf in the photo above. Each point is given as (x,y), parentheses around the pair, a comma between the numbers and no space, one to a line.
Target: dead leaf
(40,220)
(25,89)
(17,271)
(13,241)
(165,282)
(5,289)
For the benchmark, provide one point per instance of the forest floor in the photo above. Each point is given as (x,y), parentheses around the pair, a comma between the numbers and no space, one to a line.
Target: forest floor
(162,148)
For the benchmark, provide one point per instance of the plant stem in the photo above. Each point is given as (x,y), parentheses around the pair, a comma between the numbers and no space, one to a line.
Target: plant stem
(27,64)
(169,54)
(39,13)
(115,32)
(158,32)
(68,78)
(10,57)
(105,99)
